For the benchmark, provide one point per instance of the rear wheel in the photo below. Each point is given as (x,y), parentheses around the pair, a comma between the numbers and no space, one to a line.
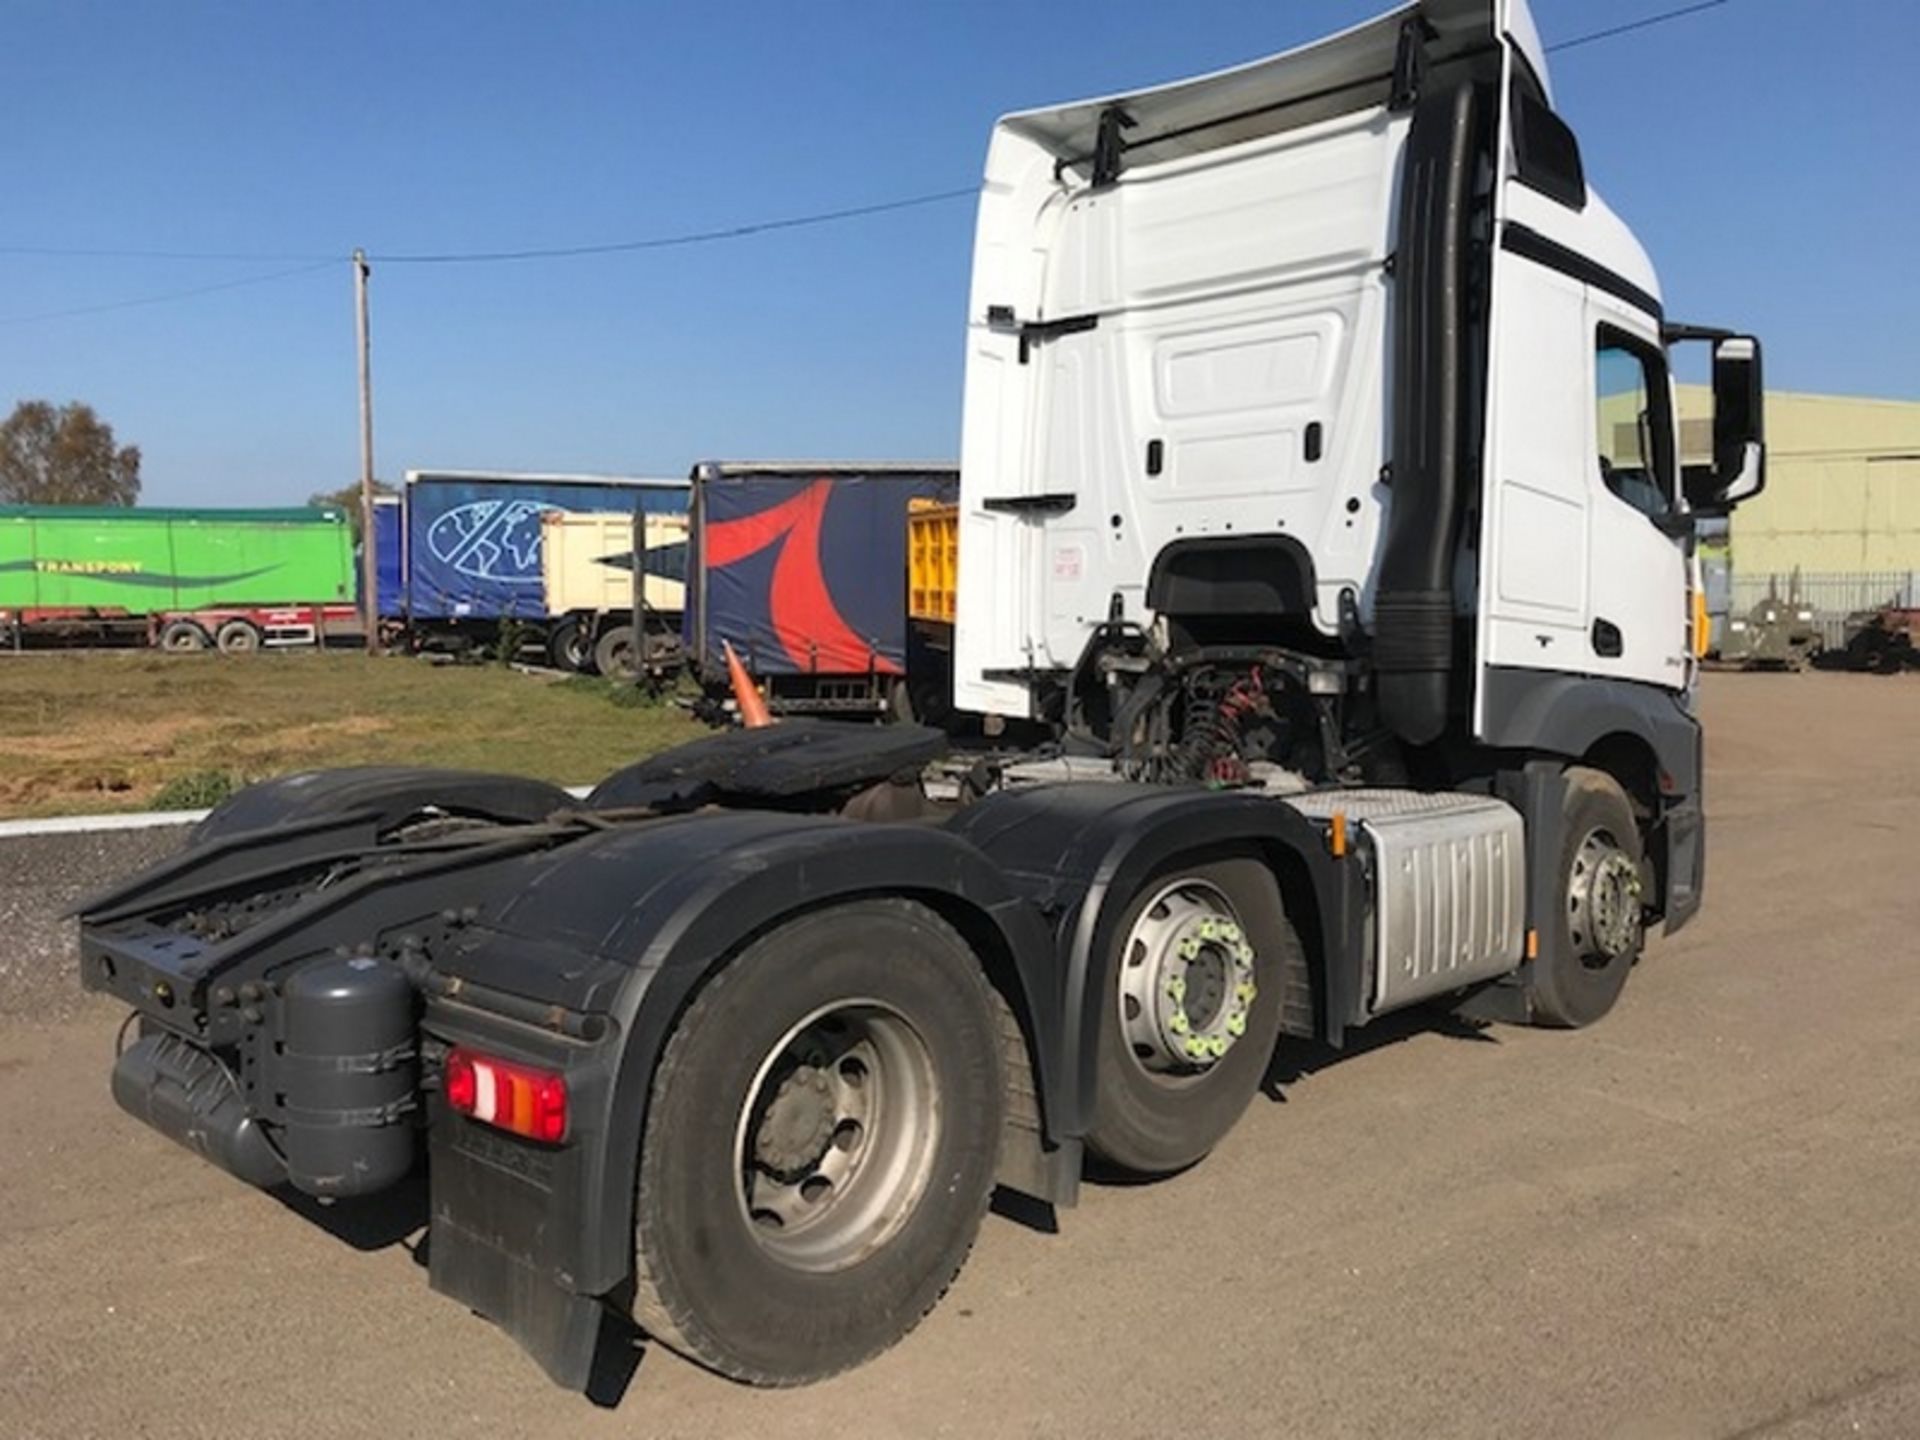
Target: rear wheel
(1192,1012)
(182,637)
(819,1146)
(238,637)
(616,656)
(1586,955)
(570,647)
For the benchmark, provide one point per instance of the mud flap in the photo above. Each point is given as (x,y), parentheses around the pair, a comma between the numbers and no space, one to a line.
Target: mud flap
(1686,827)
(488,1249)
(557,1328)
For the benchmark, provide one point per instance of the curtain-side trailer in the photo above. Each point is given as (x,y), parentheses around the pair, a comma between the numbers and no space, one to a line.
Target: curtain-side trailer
(800,566)
(470,544)
(181,579)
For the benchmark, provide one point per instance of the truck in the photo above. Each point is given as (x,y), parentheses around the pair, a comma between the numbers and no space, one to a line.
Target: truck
(587,567)
(177,579)
(800,566)
(469,544)
(1331,657)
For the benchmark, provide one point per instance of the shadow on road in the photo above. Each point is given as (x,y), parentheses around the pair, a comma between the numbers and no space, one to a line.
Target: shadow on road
(1296,1059)
(373,1222)
(400,1217)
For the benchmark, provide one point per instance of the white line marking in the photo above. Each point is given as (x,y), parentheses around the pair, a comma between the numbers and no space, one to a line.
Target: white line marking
(136,820)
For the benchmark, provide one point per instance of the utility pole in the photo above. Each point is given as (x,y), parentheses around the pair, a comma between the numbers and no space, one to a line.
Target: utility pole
(369,565)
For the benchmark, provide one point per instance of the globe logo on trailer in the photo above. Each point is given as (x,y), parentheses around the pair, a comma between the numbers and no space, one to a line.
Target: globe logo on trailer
(496,540)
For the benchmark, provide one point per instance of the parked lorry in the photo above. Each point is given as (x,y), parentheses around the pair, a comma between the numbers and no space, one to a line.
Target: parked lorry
(469,544)
(801,567)
(1360,661)
(587,567)
(177,579)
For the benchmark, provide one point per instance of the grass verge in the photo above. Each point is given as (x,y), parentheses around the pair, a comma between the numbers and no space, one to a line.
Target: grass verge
(86,732)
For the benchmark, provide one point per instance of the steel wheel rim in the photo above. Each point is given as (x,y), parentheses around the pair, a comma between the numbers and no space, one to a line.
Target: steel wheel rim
(834,1145)
(1603,900)
(1186,985)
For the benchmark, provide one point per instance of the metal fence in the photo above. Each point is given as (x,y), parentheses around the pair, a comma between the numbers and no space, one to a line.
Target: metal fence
(1831,596)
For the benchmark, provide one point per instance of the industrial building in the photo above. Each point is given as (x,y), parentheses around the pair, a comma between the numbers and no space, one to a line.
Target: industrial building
(1839,523)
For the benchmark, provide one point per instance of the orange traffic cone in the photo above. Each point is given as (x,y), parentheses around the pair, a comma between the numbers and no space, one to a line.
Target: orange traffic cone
(753,705)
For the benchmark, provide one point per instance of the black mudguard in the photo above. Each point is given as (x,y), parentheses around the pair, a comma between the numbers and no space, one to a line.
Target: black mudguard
(621,927)
(386,794)
(1082,852)
(618,929)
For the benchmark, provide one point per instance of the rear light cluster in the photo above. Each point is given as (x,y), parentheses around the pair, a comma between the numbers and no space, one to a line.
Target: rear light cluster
(516,1098)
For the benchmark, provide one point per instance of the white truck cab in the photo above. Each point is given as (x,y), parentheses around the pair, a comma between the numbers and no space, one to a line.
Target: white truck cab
(1341,346)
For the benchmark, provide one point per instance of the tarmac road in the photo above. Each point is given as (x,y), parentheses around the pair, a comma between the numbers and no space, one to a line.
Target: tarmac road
(1701,1218)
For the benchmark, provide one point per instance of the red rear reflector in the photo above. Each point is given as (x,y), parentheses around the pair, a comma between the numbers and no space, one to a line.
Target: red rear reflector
(512,1097)
(460,1081)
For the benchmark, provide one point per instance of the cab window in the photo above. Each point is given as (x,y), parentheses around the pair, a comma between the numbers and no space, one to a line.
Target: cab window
(1631,423)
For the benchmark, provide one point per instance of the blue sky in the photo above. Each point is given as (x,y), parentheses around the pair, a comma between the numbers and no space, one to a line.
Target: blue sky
(1764,150)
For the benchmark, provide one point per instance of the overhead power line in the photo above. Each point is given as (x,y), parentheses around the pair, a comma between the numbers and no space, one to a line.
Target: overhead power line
(553,252)
(169,295)
(1632,25)
(663,242)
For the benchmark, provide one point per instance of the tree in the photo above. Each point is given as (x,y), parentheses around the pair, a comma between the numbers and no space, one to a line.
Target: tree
(64,455)
(347,498)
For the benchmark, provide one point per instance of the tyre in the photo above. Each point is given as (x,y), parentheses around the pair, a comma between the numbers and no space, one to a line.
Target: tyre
(182,637)
(615,656)
(1586,956)
(570,647)
(820,1145)
(237,637)
(1192,1012)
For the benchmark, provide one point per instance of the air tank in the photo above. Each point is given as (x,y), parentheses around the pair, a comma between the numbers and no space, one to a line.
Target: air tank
(350,1071)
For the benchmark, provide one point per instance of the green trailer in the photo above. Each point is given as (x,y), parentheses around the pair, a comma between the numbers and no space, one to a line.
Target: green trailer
(182,579)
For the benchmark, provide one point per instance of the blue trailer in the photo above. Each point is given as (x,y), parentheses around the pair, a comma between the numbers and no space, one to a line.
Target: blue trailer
(801,566)
(467,549)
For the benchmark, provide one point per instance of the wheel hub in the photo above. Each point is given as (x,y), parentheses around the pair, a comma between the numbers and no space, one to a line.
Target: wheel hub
(1604,900)
(1186,982)
(798,1125)
(836,1137)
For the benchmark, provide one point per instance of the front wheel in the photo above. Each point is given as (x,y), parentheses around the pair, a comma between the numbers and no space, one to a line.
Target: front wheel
(820,1145)
(1587,952)
(1192,1012)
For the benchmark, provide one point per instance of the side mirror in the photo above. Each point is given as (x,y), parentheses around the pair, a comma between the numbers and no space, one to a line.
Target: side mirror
(1739,469)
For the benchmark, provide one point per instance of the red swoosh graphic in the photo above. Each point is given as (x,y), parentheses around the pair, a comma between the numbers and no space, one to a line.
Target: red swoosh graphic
(807,623)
